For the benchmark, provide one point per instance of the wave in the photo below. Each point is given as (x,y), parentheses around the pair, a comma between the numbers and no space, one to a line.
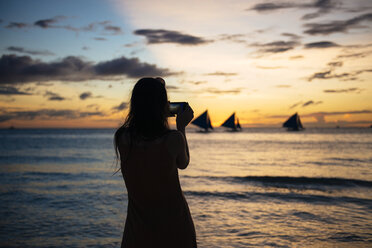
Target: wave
(45,159)
(283,197)
(294,181)
(61,175)
(326,181)
(26,177)
(352,160)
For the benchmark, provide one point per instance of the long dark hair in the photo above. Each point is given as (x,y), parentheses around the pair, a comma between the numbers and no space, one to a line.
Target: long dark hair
(148,112)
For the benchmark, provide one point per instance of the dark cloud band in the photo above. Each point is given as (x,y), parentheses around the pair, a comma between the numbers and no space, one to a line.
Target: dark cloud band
(53,96)
(321,6)
(336,26)
(330,74)
(156,36)
(321,44)
(221,73)
(17,25)
(349,90)
(276,46)
(28,51)
(24,69)
(55,22)
(120,107)
(9,90)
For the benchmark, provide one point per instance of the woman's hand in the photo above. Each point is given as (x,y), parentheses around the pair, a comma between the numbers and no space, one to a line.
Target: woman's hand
(184,117)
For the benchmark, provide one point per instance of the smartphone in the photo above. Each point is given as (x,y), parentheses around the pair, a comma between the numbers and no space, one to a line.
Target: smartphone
(176,107)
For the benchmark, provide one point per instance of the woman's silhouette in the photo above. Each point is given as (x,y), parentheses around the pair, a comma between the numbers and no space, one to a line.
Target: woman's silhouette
(150,155)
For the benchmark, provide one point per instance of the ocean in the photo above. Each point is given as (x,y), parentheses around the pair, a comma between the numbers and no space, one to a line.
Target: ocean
(255,188)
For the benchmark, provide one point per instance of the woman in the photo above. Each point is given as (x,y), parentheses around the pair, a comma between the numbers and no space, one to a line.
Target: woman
(150,155)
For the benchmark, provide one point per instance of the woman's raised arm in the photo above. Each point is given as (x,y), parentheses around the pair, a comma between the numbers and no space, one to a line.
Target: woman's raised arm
(183,119)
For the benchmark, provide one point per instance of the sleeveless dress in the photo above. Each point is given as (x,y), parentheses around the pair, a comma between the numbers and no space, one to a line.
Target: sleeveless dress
(158,214)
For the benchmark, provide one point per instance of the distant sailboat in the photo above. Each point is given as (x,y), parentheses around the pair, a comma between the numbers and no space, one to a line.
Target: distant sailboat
(293,123)
(231,123)
(203,121)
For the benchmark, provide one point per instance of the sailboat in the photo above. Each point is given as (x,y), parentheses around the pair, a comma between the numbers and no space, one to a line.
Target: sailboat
(203,121)
(231,123)
(293,123)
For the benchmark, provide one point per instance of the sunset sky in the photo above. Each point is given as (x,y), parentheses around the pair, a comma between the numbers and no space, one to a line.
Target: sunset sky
(74,63)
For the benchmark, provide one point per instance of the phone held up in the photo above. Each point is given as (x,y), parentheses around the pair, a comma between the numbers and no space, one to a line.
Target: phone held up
(176,107)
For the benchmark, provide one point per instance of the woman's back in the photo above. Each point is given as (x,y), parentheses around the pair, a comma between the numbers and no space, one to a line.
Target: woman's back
(158,215)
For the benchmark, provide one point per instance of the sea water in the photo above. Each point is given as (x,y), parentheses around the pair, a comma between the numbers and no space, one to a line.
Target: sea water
(255,188)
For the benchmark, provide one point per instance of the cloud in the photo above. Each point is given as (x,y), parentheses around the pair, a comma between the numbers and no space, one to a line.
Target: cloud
(326,75)
(329,74)
(349,90)
(276,46)
(48,23)
(295,105)
(46,114)
(322,7)
(121,106)
(105,26)
(237,38)
(305,104)
(99,38)
(292,36)
(8,90)
(53,96)
(320,116)
(355,55)
(268,7)
(336,64)
(336,26)
(344,112)
(321,44)
(32,52)
(56,98)
(156,36)
(324,113)
(296,57)
(130,67)
(24,69)
(221,92)
(113,29)
(17,25)
(269,67)
(220,73)
(85,95)
(194,82)
(311,102)
(96,106)
(172,88)
(283,86)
